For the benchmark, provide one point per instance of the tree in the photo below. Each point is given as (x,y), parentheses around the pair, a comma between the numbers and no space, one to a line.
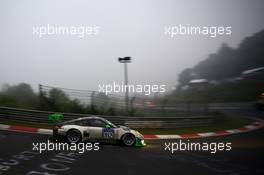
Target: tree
(185,76)
(21,95)
(229,62)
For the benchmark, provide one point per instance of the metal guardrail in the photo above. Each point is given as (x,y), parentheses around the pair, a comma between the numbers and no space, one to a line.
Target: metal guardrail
(41,117)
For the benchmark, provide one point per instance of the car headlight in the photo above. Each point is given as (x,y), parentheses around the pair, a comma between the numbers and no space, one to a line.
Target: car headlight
(142,142)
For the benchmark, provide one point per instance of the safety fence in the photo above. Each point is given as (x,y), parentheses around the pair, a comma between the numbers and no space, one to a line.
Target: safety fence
(41,117)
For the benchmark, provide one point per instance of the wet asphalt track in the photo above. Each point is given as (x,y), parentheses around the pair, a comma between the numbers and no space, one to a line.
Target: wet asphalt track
(246,157)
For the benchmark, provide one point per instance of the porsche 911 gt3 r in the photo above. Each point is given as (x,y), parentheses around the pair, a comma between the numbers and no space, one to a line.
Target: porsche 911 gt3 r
(97,129)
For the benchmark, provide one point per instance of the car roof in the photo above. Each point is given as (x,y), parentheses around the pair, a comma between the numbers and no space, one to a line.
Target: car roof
(84,118)
(90,117)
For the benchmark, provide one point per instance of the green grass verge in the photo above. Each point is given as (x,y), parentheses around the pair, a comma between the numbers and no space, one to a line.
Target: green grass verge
(227,123)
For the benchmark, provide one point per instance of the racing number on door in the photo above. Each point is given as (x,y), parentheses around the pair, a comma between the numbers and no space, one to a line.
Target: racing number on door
(108,133)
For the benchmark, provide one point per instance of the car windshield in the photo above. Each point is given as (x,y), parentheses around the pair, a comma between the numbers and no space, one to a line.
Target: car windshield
(110,123)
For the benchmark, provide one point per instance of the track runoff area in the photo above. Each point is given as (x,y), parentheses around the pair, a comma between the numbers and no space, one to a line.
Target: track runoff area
(238,151)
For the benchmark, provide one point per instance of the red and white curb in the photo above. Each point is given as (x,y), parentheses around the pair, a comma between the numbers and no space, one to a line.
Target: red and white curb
(255,125)
(25,129)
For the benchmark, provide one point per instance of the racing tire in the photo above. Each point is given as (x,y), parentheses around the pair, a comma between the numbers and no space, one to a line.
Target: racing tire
(128,139)
(73,136)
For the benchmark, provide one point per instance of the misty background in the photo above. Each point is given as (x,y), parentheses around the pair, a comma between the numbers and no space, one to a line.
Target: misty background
(127,28)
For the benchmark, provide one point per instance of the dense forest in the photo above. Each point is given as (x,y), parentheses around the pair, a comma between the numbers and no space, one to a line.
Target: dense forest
(23,96)
(223,70)
(228,62)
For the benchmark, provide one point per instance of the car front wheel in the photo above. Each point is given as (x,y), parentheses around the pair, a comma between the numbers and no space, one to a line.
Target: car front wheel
(129,139)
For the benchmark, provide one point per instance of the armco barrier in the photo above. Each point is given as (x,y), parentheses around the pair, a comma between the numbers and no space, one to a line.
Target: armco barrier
(41,117)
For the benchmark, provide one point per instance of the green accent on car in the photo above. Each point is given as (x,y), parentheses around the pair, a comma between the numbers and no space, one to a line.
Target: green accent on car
(140,143)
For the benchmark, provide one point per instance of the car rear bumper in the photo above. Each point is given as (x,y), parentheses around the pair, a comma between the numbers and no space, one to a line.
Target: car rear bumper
(57,135)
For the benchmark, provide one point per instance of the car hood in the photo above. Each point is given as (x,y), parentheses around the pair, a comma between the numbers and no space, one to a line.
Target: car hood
(136,133)
(124,128)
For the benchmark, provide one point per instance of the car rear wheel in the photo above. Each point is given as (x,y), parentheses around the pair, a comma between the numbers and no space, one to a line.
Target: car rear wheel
(73,136)
(129,139)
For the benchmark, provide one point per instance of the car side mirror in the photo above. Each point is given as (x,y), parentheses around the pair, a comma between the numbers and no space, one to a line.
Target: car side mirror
(107,126)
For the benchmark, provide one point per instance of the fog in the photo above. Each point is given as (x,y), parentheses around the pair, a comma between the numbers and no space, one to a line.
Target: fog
(126,28)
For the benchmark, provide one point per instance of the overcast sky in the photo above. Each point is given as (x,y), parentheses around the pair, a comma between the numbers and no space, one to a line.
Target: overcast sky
(127,28)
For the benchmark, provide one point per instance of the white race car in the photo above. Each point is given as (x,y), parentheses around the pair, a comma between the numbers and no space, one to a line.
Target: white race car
(97,129)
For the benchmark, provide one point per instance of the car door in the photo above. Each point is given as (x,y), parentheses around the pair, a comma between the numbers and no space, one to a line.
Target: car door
(99,130)
(84,127)
(96,127)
